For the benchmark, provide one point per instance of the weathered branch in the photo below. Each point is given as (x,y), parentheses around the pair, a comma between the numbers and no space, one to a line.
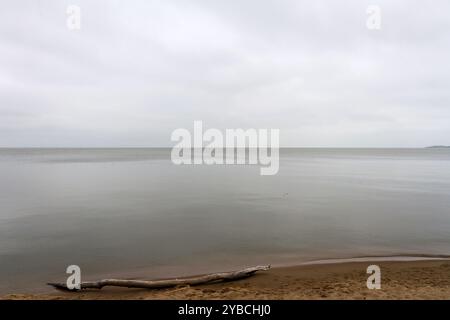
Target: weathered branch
(158,284)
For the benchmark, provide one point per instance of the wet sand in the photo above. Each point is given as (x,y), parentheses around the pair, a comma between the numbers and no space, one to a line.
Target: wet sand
(425,279)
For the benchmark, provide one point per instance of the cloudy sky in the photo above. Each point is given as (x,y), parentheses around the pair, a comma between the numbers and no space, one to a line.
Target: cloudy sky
(137,70)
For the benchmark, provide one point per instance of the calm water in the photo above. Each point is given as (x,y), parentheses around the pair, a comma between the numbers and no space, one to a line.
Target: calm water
(131,212)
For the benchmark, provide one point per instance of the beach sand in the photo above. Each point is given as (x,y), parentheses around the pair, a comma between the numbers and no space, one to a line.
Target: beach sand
(399,280)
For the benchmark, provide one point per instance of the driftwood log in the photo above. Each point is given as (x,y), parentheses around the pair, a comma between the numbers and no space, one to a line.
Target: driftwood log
(158,284)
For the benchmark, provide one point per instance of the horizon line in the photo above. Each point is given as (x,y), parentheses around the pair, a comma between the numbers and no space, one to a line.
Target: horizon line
(170,147)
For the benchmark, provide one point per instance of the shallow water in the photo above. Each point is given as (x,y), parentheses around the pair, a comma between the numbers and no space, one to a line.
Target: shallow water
(132,212)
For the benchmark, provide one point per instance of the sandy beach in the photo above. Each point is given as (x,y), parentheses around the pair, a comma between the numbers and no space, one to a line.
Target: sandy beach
(426,279)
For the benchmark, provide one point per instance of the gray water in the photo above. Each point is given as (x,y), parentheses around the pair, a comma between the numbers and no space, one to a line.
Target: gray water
(132,213)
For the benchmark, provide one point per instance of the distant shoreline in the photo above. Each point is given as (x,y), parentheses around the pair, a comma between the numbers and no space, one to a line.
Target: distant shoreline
(437,147)
(6,148)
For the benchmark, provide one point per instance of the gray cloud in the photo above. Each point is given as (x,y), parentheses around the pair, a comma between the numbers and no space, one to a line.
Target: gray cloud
(138,70)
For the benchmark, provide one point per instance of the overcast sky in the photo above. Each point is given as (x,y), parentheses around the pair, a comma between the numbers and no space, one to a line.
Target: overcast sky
(137,70)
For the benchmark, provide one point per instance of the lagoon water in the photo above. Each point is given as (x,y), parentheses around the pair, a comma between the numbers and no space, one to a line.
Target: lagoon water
(131,212)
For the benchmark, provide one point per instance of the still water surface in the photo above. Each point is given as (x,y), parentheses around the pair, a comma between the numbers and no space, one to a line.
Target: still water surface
(131,212)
